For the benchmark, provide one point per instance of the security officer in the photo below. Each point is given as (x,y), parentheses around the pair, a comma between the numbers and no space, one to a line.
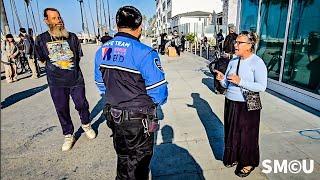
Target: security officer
(131,76)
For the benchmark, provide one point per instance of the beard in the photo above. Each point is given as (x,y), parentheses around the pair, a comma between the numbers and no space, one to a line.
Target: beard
(58,31)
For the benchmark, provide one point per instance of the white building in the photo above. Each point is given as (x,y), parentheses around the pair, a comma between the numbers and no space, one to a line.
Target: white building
(184,11)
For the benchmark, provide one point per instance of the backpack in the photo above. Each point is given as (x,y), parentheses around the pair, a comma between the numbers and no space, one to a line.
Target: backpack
(177,41)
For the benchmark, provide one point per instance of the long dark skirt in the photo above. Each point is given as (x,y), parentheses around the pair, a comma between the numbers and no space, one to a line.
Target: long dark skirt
(241,129)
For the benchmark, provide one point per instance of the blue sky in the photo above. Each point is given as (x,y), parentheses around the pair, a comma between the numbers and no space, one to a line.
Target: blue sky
(70,11)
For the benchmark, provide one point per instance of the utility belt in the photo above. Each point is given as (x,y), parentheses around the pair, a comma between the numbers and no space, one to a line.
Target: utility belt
(147,116)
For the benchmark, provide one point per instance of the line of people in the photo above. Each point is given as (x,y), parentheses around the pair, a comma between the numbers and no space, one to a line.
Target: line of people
(21,52)
(129,74)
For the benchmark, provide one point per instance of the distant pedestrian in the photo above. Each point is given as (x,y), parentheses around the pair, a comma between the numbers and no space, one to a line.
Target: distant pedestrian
(163,42)
(183,42)
(27,52)
(228,45)
(229,50)
(9,56)
(105,38)
(220,39)
(246,75)
(60,50)
(176,42)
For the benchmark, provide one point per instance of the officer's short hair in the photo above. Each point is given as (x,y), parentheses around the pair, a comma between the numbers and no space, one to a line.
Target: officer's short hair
(128,17)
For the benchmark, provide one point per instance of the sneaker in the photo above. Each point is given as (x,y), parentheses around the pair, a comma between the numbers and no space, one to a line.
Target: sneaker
(89,131)
(68,142)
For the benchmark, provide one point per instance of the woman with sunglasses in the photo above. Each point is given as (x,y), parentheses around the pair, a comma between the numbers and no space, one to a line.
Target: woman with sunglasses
(241,126)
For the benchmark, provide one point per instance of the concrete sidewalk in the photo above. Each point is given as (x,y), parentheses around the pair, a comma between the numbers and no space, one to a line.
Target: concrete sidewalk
(189,145)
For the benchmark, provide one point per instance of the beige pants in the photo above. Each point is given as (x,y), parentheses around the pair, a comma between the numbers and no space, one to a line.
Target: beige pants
(11,72)
(32,66)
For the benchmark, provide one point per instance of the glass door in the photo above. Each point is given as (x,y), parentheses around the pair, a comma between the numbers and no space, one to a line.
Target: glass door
(273,18)
(302,61)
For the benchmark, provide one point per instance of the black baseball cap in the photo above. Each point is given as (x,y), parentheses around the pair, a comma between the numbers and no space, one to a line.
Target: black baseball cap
(9,36)
(22,30)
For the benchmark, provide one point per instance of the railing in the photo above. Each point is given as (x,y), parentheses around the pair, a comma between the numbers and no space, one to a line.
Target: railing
(207,51)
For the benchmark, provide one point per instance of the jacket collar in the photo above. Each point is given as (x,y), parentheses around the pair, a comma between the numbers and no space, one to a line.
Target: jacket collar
(126,35)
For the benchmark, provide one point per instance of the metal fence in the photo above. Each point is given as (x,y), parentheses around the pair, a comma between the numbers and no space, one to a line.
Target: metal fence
(209,52)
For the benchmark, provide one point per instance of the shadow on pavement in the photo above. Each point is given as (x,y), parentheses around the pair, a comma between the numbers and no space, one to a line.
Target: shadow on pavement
(209,82)
(95,111)
(170,161)
(212,124)
(160,115)
(22,95)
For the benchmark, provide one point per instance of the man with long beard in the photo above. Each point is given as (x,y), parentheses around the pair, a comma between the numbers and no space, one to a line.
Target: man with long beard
(60,50)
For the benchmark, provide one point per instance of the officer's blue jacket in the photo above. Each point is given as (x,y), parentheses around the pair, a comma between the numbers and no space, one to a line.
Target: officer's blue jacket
(130,73)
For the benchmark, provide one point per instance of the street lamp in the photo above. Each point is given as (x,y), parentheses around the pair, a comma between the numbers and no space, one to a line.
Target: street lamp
(109,15)
(81,1)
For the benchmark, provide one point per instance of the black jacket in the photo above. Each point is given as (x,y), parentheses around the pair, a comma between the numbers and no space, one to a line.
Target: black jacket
(228,46)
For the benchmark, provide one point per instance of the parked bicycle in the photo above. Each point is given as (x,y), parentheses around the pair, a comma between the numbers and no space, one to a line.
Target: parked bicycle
(22,65)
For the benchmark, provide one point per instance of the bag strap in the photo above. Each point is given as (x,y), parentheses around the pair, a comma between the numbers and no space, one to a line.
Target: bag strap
(237,73)
(238,66)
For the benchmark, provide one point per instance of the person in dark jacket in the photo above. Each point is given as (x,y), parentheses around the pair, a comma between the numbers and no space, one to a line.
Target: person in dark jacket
(228,46)
(27,52)
(220,39)
(183,42)
(223,61)
(105,38)
(130,75)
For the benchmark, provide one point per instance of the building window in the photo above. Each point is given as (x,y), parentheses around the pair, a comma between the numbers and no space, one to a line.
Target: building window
(272,30)
(164,6)
(164,19)
(168,3)
(249,14)
(169,14)
(302,59)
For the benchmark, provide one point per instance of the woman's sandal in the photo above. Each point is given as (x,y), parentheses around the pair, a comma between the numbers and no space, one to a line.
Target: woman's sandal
(244,172)
(231,165)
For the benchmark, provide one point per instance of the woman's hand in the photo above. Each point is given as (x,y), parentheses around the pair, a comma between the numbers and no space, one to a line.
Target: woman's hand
(234,79)
(219,76)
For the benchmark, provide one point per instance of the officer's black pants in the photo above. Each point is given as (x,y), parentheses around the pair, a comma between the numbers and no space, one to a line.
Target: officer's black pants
(134,150)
